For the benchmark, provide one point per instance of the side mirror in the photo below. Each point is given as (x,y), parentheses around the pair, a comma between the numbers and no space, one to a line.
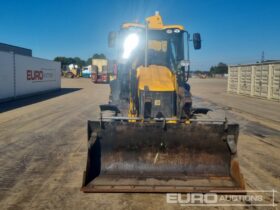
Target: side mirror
(196,41)
(112,39)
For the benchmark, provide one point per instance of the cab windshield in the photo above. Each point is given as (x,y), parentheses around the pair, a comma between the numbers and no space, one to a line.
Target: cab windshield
(164,47)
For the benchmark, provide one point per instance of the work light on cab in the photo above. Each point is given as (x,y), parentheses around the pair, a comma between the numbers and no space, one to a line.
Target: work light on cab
(130,43)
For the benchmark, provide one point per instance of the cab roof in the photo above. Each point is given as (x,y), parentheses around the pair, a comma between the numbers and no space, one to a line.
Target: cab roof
(154,22)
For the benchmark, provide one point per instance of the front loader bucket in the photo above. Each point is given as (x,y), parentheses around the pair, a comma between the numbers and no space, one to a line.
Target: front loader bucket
(159,157)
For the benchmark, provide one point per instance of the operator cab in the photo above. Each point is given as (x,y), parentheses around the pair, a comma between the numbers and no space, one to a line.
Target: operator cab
(151,66)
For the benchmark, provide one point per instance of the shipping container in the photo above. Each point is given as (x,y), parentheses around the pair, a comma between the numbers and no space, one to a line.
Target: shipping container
(24,75)
(256,80)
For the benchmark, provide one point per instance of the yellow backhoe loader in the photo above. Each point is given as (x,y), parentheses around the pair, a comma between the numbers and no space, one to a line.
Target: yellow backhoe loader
(153,140)
(72,71)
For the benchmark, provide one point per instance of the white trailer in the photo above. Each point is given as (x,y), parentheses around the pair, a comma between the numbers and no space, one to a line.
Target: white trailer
(24,75)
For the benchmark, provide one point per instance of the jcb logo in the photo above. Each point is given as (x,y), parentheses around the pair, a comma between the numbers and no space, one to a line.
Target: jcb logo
(34,75)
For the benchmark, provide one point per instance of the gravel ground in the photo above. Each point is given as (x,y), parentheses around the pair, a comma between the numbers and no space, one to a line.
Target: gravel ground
(43,147)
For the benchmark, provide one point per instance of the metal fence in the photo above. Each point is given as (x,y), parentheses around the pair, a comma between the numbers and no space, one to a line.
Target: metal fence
(256,80)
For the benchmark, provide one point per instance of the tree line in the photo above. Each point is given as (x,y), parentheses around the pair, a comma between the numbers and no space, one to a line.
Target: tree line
(220,68)
(78,61)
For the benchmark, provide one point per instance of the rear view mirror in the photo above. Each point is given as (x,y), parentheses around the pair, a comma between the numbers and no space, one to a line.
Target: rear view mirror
(196,41)
(112,39)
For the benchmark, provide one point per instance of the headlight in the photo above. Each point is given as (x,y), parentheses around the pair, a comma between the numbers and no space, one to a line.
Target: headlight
(130,43)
